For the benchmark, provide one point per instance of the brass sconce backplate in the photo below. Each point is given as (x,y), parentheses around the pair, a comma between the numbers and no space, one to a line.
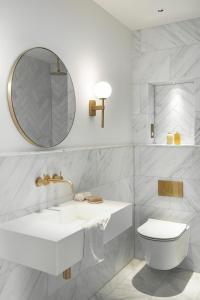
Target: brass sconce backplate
(170,188)
(93,108)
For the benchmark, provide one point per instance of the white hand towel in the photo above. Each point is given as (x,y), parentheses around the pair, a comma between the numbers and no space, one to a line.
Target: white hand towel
(81,196)
(94,242)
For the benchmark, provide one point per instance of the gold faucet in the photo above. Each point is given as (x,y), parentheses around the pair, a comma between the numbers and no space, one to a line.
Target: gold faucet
(54,179)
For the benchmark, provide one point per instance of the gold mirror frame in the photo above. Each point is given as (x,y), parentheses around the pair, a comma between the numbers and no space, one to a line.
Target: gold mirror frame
(11,107)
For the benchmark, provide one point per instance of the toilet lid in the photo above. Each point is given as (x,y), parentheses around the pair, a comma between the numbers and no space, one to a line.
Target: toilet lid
(158,229)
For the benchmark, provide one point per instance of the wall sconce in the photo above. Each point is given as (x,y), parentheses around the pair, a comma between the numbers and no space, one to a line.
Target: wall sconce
(102,91)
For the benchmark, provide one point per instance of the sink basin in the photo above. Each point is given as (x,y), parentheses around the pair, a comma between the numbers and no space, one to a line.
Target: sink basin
(71,211)
(53,239)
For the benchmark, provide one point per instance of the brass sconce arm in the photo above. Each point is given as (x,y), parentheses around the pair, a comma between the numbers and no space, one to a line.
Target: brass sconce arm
(102,91)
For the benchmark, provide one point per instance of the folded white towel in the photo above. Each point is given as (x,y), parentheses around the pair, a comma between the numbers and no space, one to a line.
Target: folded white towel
(81,196)
(94,242)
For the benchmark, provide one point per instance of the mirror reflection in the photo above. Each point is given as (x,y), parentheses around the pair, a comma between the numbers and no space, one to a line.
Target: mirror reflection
(41,97)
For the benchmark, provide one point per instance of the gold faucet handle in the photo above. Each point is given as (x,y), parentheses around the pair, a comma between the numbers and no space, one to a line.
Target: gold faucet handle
(39,181)
(46,179)
(57,177)
(61,177)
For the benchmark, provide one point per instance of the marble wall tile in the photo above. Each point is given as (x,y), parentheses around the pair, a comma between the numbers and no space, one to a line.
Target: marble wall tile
(122,190)
(170,35)
(175,111)
(140,128)
(142,98)
(85,285)
(151,67)
(136,98)
(114,164)
(185,63)
(116,257)
(168,161)
(142,213)
(190,168)
(137,156)
(15,194)
(108,172)
(24,284)
(78,166)
(192,192)
(146,194)
(66,292)
(18,189)
(56,284)
(197,95)
(168,53)
(178,164)
(195,230)
(197,114)
(197,128)
(145,189)
(136,42)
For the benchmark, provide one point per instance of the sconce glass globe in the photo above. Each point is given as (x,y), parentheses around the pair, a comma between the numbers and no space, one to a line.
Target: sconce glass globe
(102,90)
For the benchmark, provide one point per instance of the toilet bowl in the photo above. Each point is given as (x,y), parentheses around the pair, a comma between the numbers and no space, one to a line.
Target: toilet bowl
(165,244)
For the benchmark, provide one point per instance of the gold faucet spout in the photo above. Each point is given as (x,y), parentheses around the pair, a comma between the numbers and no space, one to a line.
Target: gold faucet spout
(66,181)
(54,179)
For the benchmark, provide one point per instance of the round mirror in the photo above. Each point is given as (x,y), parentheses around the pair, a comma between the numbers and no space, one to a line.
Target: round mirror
(41,97)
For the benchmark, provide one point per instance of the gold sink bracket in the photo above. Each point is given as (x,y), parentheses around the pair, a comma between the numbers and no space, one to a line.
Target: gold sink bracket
(67,274)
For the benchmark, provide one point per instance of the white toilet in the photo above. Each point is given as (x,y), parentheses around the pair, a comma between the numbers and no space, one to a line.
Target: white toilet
(165,243)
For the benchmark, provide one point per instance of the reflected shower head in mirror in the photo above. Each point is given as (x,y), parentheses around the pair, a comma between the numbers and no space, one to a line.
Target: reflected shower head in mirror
(58,72)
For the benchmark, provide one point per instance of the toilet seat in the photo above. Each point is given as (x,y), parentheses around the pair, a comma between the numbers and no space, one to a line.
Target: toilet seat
(160,230)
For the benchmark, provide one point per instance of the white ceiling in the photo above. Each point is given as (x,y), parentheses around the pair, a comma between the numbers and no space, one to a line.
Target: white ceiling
(138,14)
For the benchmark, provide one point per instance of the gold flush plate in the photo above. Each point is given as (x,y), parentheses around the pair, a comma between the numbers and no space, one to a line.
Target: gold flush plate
(170,188)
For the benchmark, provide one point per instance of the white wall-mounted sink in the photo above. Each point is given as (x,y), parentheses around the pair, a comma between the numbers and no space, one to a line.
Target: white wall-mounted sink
(52,240)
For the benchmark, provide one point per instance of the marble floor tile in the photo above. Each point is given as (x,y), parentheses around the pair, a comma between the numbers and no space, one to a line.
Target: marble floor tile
(132,268)
(138,281)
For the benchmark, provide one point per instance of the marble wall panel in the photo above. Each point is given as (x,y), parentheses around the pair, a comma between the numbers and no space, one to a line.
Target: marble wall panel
(169,163)
(165,54)
(151,67)
(175,112)
(105,171)
(170,35)
(185,63)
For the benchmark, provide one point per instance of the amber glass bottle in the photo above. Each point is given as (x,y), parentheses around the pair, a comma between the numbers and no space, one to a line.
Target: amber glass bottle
(177,138)
(170,138)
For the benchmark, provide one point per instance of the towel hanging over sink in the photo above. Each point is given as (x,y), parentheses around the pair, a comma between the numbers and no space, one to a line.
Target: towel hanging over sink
(93,252)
